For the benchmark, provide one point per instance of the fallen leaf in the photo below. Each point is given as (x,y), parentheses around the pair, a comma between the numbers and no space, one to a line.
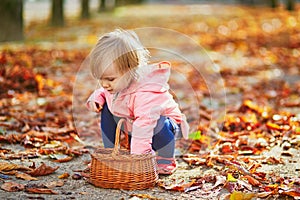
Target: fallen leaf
(195,135)
(66,159)
(53,184)
(25,176)
(253,106)
(263,194)
(294,192)
(273,160)
(5,166)
(64,176)
(253,167)
(12,187)
(252,180)
(237,195)
(181,186)
(43,170)
(40,191)
(144,196)
(192,159)
(230,178)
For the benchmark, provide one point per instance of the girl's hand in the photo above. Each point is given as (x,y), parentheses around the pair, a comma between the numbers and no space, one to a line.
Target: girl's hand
(94,106)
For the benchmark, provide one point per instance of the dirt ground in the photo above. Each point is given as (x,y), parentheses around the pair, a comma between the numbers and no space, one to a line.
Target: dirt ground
(82,189)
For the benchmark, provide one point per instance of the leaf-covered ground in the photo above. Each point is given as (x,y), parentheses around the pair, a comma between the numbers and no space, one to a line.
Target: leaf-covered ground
(244,113)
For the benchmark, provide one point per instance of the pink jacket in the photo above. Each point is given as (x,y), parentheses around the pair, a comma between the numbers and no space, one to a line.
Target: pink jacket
(142,104)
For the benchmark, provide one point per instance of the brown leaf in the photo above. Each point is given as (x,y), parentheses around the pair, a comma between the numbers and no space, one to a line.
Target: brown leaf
(43,170)
(182,186)
(252,180)
(13,172)
(273,160)
(295,192)
(264,194)
(12,187)
(144,196)
(40,191)
(253,167)
(53,184)
(5,166)
(25,176)
(64,176)
(192,159)
(66,159)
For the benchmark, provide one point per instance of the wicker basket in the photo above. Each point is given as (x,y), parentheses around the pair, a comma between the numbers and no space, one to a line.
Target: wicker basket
(117,168)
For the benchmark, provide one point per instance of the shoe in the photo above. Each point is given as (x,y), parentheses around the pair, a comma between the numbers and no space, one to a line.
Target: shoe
(166,166)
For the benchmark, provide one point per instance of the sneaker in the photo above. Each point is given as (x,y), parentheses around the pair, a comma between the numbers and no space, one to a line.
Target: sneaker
(166,166)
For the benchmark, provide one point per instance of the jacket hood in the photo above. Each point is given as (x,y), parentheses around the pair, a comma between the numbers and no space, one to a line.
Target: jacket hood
(152,78)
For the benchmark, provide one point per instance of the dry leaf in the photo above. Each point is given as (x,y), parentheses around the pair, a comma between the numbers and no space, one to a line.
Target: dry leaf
(236,195)
(294,192)
(192,159)
(182,186)
(43,170)
(64,175)
(230,178)
(40,191)
(252,180)
(53,184)
(144,196)
(25,176)
(66,159)
(13,172)
(5,166)
(263,194)
(12,187)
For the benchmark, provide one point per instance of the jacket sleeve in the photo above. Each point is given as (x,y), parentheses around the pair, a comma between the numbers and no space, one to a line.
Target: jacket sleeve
(147,110)
(97,96)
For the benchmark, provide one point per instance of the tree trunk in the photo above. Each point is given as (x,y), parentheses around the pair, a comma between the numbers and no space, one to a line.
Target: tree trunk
(290,5)
(127,2)
(85,12)
(57,18)
(11,21)
(119,3)
(102,5)
(274,3)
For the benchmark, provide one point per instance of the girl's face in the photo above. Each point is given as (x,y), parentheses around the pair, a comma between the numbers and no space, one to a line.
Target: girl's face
(113,81)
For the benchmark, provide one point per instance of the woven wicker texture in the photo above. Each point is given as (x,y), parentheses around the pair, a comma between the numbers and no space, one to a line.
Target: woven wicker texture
(117,168)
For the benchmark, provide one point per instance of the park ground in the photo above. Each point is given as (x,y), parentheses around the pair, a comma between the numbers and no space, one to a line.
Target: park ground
(254,53)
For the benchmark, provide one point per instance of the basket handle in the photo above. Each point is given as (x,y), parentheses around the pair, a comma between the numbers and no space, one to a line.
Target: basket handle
(117,139)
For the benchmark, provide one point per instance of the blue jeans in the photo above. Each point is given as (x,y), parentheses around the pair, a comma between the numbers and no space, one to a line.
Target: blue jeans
(163,140)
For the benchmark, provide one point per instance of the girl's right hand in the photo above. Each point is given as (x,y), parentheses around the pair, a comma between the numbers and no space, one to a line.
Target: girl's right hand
(94,106)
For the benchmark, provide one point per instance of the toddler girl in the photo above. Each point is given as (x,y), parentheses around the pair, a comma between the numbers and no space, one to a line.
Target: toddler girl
(138,92)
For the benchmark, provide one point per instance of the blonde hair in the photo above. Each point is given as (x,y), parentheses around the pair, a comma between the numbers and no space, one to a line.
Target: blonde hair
(120,47)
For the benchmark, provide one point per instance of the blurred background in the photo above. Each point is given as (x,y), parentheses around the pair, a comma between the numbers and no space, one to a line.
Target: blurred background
(18,14)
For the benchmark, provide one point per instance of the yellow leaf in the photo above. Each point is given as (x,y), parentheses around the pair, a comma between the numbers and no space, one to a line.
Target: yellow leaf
(230,178)
(236,195)
(64,175)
